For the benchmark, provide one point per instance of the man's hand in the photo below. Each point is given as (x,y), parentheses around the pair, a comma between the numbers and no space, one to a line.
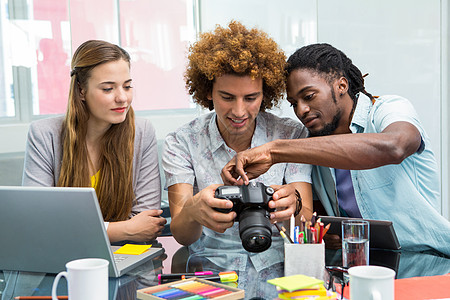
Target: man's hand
(284,201)
(332,241)
(190,213)
(203,210)
(247,165)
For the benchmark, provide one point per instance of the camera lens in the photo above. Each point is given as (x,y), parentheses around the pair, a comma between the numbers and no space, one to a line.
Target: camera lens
(255,229)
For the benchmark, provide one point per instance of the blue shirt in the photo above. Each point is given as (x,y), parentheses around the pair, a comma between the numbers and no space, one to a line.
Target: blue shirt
(408,194)
(196,153)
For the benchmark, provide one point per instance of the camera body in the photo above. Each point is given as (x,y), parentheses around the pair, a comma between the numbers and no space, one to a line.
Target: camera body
(250,202)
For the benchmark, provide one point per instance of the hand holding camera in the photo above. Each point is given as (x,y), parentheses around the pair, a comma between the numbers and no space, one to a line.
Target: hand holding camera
(250,202)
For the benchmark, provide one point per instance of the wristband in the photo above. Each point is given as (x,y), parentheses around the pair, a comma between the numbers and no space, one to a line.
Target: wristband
(299,204)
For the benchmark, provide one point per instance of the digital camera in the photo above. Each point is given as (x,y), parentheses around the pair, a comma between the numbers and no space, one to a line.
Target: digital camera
(250,202)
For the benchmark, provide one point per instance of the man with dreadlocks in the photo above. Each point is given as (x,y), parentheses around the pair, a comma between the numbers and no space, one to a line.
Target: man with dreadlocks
(371,154)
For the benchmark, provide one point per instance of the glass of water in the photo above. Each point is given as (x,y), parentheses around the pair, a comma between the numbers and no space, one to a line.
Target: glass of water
(355,243)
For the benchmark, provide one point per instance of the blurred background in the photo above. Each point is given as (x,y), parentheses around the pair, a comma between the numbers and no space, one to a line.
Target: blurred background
(403,45)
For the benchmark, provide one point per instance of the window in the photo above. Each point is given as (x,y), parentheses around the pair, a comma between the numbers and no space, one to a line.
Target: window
(39,36)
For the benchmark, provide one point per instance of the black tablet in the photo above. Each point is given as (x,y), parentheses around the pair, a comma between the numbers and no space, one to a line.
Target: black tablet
(382,233)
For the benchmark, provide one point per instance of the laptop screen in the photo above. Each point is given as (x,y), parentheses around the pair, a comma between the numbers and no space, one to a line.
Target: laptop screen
(43,228)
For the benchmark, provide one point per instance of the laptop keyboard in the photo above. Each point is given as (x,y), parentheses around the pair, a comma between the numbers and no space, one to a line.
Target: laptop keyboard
(119,258)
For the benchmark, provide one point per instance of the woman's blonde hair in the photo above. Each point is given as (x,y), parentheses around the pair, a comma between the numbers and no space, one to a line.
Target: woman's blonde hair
(115,185)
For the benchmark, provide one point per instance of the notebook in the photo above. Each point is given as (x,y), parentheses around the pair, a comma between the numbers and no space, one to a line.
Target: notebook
(381,233)
(43,228)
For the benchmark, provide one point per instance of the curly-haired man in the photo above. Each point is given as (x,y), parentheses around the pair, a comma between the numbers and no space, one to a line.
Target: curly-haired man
(238,73)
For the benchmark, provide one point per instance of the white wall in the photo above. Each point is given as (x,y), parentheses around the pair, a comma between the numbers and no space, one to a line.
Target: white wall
(399,44)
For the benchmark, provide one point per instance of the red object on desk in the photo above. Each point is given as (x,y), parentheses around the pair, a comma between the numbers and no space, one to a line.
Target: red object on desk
(417,288)
(427,287)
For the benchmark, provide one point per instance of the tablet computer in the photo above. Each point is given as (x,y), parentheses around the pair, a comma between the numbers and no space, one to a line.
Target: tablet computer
(381,233)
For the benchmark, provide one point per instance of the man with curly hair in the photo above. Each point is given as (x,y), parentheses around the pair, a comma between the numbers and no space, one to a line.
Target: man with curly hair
(238,73)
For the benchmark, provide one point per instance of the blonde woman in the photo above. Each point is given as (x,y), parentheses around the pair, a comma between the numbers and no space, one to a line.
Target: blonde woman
(100,143)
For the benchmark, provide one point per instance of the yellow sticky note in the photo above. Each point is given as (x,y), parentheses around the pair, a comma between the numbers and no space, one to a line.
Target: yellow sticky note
(295,282)
(132,249)
(317,290)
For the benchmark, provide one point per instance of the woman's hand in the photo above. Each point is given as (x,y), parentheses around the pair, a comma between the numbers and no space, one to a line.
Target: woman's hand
(145,226)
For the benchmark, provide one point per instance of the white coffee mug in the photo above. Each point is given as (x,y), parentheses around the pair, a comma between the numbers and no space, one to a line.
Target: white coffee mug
(87,279)
(371,283)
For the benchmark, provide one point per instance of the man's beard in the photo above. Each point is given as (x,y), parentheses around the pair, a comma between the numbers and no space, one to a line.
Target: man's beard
(329,128)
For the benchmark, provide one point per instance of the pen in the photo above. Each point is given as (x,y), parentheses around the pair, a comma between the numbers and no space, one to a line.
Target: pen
(39,297)
(337,269)
(301,238)
(313,235)
(222,277)
(283,233)
(302,223)
(313,218)
(291,227)
(325,229)
(287,235)
(321,232)
(296,232)
(317,226)
(308,238)
(177,276)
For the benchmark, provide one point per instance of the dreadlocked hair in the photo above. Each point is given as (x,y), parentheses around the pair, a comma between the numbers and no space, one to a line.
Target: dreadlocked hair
(331,63)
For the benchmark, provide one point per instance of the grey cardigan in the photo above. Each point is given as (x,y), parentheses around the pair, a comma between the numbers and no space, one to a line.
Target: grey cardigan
(43,155)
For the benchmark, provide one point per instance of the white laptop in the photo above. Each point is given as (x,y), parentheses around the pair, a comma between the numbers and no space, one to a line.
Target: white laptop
(42,228)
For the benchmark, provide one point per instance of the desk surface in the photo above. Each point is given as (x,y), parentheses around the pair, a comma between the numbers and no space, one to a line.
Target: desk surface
(406,264)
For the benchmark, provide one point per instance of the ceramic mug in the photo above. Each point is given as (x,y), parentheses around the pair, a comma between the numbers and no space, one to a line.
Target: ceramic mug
(371,283)
(87,279)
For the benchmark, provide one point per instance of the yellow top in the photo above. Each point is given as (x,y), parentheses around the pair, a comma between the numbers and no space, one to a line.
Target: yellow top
(94,179)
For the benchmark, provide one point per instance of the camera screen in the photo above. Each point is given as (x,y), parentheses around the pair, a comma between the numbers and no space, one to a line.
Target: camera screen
(232,190)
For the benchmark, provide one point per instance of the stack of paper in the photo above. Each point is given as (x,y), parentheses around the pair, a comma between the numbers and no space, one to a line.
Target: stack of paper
(301,287)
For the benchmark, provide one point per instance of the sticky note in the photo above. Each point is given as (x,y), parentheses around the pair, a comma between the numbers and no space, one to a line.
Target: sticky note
(295,282)
(132,249)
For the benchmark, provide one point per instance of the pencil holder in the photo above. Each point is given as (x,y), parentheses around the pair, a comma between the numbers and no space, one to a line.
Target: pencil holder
(306,259)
